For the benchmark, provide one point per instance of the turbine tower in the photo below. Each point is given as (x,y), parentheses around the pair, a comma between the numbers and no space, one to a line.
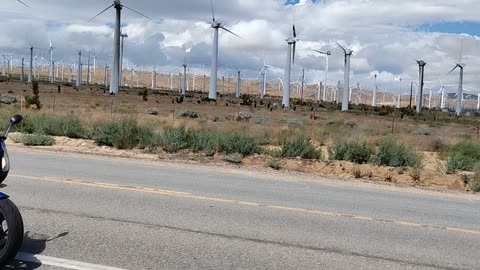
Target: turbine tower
(79,76)
(292,44)
(327,54)
(421,84)
(212,94)
(237,92)
(346,83)
(30,70)
(154,78)
(51,75)
(114,84)
(458,104)
(375,90)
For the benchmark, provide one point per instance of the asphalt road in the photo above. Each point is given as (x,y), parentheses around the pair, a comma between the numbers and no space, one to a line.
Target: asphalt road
(95,213)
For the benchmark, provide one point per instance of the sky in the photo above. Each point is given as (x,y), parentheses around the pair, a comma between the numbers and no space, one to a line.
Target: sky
(384,36)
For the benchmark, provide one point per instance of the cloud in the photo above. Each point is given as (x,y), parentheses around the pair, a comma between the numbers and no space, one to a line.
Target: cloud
(382,34)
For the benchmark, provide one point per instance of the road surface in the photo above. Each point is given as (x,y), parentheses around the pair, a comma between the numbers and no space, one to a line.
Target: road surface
(83,212)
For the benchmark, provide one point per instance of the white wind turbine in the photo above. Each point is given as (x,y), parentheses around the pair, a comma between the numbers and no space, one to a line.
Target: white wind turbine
(327,54)
(114,84)
(421,84)
(460,65)
(154,78)
(292,44)
(348,53)
(263,72)
(212,94)
(51,74)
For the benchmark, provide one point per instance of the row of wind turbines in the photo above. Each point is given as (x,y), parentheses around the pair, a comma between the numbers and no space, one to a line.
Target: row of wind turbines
(116,67)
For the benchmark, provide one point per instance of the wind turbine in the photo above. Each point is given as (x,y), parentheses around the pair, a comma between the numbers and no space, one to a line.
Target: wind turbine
(375,90)
(79,75)
(154,78)
(114,85)
(263,72)
(292,44)
(212,94)
(52,65)
(184,81)
(348,53)
(327,54)
(239,80)
(421,84)
(460,65)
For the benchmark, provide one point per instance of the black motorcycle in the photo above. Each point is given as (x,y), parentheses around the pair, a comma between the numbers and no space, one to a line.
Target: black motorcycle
(11,229)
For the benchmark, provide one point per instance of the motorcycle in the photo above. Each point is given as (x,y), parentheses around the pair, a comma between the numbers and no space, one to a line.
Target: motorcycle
(11,223)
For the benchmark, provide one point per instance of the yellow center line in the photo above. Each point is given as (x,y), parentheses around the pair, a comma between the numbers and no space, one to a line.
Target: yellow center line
(244,203)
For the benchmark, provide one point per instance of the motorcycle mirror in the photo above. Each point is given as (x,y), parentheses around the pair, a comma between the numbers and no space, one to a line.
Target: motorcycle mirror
(16,119)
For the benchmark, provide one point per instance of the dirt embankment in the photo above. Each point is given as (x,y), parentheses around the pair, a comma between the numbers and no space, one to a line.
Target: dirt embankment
(432,175)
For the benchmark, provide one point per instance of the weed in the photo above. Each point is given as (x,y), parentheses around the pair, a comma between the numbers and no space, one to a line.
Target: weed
(357,172)
(236,142)
(274,164)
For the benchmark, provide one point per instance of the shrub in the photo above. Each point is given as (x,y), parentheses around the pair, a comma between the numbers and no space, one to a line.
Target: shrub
(68,126)
(219,118)
(274,164)
(236,142)
(436,145)
(188,114)
(235,158)
(475,186)
(260,119)
(243,116)
(147,138)
(174,139)
(391,153)
(463,156)
(37,139)
(423,132)
(358,152)
(204,140)
(122,134)
(292,122)
(357,173)
(300,147)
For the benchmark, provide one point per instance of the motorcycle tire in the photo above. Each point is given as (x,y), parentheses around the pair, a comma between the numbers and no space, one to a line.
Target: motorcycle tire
(11,231)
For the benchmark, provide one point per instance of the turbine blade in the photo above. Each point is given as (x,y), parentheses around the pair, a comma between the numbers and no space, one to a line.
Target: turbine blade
(318,51)
(461,52)
(23,3)
(343,48)
(138,13)
(294,32)
(50,41)
(413,58)
(101,12)
(213,11)
(230,31)
(453,69)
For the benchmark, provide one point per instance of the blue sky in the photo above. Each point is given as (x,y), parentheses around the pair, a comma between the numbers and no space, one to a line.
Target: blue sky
(471,28)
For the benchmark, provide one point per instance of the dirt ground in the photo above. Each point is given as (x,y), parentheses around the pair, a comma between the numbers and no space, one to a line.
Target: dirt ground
(91,104)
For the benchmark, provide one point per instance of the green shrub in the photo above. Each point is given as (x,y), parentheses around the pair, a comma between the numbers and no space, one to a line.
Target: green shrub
(174,139)
(260,119)
(147,138)
(122,134)
(292,122)
(37,139)
(235,158)
(391,153)
(236,142)
(204,140)
(358,152)
(55,125)
(463,156)
(299,147)
(475,186)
